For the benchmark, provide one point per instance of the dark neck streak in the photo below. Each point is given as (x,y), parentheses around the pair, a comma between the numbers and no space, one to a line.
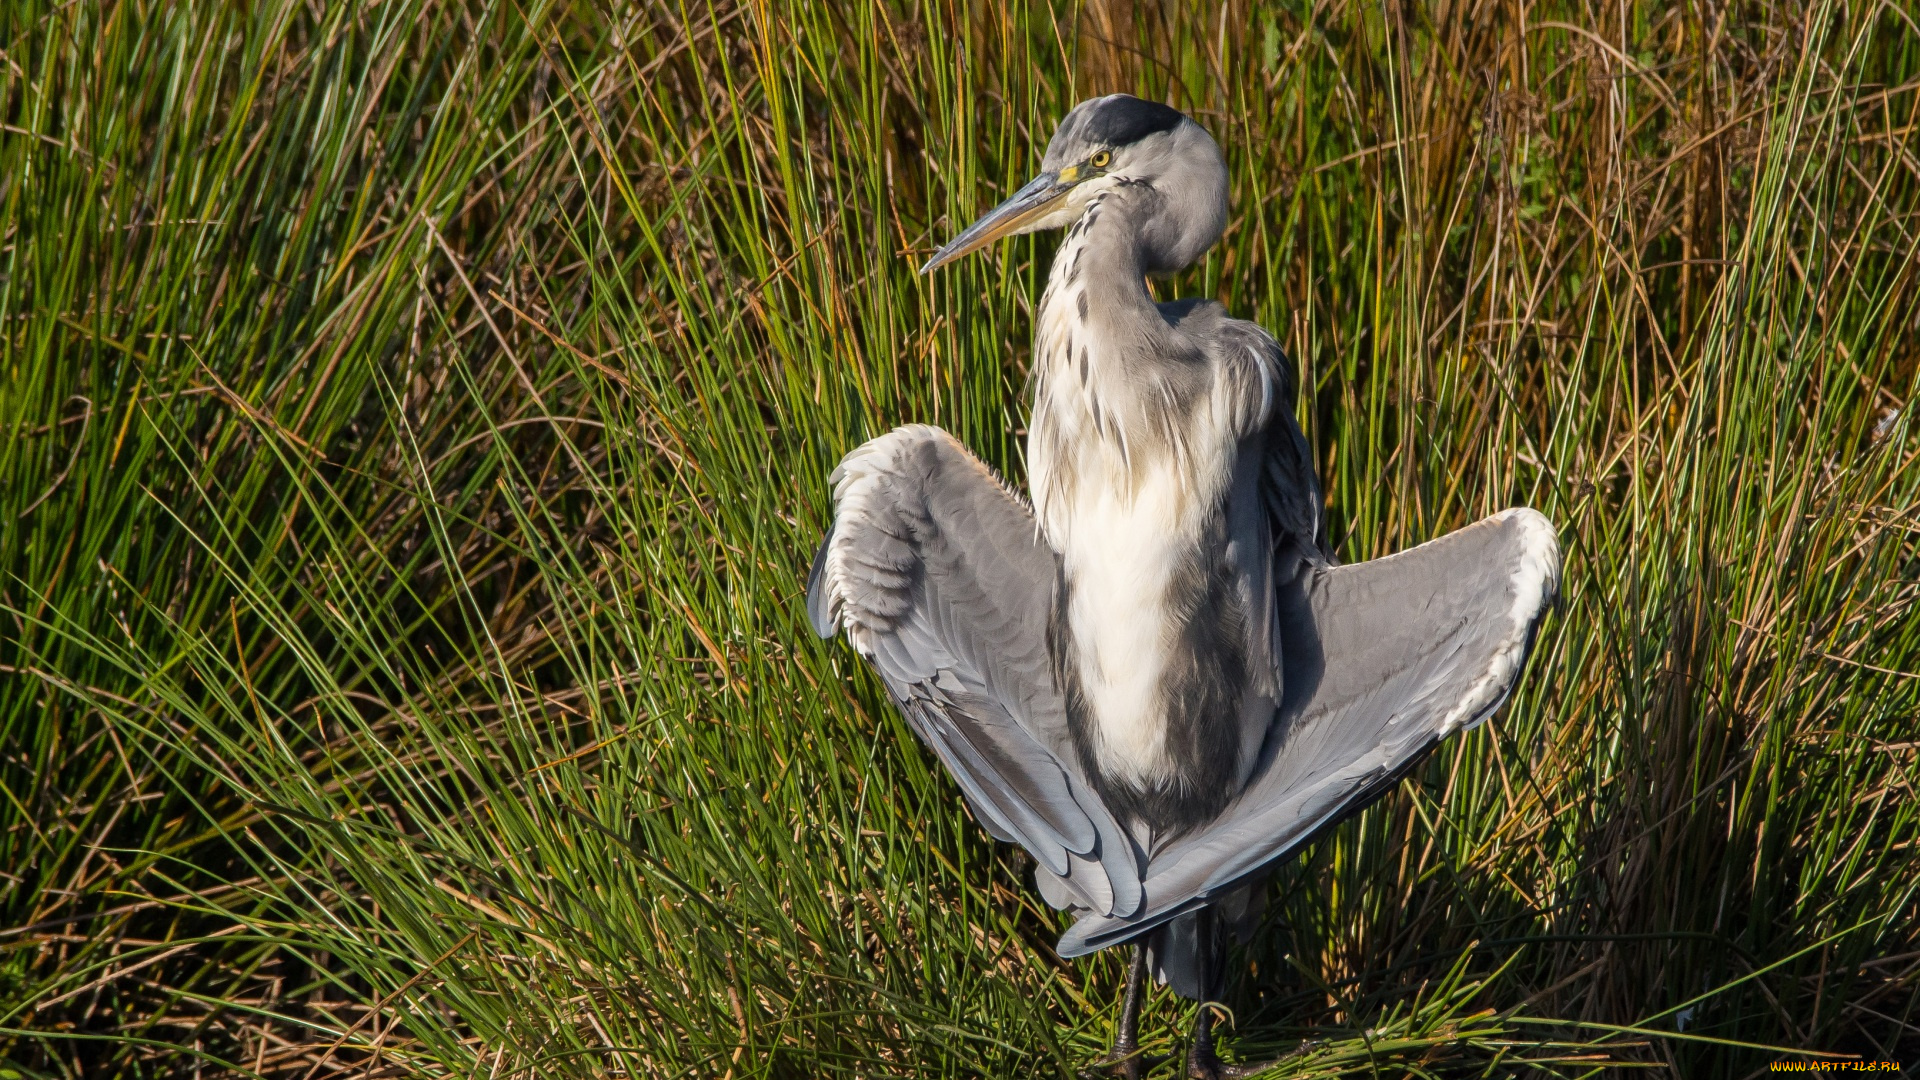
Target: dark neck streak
(1099,331)
(1105,277)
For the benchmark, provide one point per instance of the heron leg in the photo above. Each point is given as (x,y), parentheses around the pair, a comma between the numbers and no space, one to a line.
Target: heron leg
(1203,1063)
(1125,1059)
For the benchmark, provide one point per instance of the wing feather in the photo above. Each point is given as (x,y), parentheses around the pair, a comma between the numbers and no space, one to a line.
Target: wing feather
(938,576)
(1289,487)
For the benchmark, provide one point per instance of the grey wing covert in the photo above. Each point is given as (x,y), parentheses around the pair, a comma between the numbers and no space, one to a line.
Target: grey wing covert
(1289,486)
(939,577)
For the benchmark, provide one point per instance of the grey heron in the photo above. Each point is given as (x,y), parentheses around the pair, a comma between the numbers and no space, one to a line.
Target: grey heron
(1152,677)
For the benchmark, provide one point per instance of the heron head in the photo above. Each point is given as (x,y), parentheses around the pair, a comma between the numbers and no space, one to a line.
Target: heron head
(1161,156)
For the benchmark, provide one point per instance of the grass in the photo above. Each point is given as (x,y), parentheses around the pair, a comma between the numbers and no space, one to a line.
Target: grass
(417,419)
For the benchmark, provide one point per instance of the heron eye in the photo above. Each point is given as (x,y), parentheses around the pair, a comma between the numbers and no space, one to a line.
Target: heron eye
(1100,160)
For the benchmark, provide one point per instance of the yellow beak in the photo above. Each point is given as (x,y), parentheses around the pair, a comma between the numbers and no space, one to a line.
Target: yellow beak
(1021,208)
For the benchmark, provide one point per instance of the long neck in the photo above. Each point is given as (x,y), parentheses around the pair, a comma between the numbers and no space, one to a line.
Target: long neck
(1097,289)
(1096,327)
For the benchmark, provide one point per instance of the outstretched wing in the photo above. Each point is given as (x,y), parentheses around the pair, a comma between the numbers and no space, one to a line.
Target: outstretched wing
(940,578)
(1383,660)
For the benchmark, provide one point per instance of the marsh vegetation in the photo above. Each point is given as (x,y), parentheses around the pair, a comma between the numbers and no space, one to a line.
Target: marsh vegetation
(417,416)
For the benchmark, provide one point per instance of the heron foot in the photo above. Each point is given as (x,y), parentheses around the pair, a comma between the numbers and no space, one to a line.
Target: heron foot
(1128,1063)
(1208,1066)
